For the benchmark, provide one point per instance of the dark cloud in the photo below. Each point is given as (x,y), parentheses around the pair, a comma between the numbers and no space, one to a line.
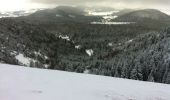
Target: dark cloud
(111,3)
(101,1)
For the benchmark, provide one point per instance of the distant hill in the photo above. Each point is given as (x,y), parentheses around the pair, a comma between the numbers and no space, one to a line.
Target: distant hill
(61,14)
(140,15)
(124,11)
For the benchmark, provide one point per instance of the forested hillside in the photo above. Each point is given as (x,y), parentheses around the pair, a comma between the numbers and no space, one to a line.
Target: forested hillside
(64,38)
(20,40)
(145,57)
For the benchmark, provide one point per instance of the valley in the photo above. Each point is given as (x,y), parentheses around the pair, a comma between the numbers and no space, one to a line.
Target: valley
(126,43)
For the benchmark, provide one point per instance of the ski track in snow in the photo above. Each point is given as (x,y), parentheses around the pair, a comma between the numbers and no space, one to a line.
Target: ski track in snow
(23,83)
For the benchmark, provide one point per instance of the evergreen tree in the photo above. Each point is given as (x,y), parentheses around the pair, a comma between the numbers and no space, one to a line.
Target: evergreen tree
(168,78)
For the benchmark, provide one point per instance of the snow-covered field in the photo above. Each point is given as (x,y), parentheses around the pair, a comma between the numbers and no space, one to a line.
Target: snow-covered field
(106,13)
(23,83)
(113,23)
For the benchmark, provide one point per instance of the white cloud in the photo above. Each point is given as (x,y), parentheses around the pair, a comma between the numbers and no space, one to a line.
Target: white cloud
(8,5)
(14,5)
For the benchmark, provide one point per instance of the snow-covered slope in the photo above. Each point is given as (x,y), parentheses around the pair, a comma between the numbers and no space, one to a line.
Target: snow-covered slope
(22,83)
(106,13)
(18,13)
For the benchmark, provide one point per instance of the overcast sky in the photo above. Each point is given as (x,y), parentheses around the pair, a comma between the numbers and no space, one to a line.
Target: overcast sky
(113,3)
(26,4)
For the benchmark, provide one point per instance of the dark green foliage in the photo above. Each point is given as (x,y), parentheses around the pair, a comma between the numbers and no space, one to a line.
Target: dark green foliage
(138,51)
(19,37)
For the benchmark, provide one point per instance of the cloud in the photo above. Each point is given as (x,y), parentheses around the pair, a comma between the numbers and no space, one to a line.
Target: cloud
(111,3)
(101,1)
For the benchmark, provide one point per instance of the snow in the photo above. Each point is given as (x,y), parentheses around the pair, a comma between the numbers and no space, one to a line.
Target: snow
(64,37)
(110,44)
(37,53)
(22,59)
(78,46)
(107,15)
(89,52)
(57,15)
(72,16)
(3,47)
(23,83)
(113,23)
(130,41)
(102,13)
(18,13)
(46,57)
(86,71)
(13,53)
(26,60)
(108,18)
(46,65)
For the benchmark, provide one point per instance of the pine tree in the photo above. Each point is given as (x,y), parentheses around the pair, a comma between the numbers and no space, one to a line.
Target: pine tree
(168,79)
(150,77)
(134,74)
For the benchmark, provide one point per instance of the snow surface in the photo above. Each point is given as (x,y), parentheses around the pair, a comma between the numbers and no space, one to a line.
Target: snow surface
(78,46)
(89,52)
(26,60)
(64,37)
(130,41)
(108,18)
(23,83)
(110,44)
(18,13)
(113,23)
(94,13)
(22,59)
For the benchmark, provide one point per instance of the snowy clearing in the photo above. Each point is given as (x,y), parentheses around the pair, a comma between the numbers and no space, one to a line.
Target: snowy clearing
(108,18)
(101,13)
(113,23)
(23,83)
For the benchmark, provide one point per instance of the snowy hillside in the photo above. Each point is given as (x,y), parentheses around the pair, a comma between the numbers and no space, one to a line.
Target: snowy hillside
(18,13)
(21,83)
